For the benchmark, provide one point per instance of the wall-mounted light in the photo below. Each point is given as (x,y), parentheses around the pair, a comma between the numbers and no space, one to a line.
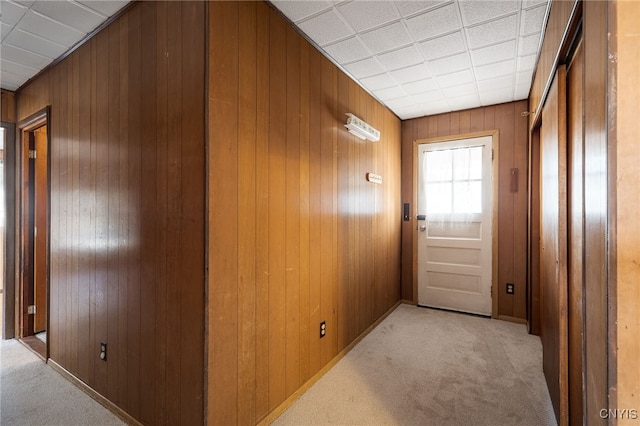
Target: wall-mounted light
(361,129)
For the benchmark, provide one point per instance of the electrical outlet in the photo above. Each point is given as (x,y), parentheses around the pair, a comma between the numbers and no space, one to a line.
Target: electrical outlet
(103,351)
(510,288)
(323,329)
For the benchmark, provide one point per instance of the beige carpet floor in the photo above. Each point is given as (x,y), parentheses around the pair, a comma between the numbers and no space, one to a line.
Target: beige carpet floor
(428,367)
(32,393)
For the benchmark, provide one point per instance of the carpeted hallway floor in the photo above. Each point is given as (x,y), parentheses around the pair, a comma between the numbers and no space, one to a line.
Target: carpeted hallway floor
(32,393)
(428,367)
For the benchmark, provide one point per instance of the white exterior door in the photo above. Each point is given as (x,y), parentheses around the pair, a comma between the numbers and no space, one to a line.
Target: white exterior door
(454,225)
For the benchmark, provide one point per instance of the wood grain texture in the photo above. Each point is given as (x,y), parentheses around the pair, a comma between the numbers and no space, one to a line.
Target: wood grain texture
(553,241)
(7,106)
(127,210)
(575,238)
(512,243)
(625,44)
(297,235)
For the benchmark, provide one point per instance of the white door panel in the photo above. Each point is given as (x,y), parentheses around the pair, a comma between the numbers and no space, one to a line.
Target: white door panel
(454,239)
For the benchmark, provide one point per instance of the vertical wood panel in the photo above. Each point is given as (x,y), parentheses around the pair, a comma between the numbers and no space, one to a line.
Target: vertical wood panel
(111,184)
(326,245)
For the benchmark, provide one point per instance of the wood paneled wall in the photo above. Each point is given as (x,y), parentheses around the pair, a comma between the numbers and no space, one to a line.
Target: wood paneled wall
(296,234)
(623,19)
(512,206)
(127,221)
(7,107)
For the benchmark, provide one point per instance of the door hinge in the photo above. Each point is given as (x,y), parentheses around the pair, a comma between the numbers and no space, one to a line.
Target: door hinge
(31,310)
(33,154)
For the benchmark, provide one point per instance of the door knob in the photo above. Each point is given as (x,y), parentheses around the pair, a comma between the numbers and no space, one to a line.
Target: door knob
(423,228)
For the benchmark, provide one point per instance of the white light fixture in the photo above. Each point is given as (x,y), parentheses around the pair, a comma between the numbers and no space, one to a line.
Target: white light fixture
(361,129)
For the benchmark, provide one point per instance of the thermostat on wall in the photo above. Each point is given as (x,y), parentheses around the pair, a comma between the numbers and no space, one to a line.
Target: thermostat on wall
(374,178)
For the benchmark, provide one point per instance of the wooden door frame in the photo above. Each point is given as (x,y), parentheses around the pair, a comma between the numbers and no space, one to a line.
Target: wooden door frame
(495,143)
(9,320)
(31,123)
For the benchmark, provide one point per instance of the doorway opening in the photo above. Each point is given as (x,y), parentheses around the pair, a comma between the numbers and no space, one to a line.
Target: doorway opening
(457,233)
(33,298)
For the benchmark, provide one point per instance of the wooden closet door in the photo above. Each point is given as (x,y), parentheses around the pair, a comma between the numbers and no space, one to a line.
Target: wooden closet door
(553,252)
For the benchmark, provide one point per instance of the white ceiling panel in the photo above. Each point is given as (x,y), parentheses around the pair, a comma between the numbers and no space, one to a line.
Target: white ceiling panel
(496,84)
(4,30)
(498,69)
(400,102)
(408,8)
(11,12)
(381,81)
(450,64)
(421,86)
(365,68)
(474,12)
(25,57)
(529,44)
(364,15)
(394,92)
(298,10)
(433,97)
(349,50)
(41,31)
(411,74)
(33,43)
(443,46)
(526,63)
(496,53)
(455,78)
(401,58)
(464,102)
(40,25)
(532,20)
(389,37)
(493,32)
(468,89)
(326,28)
(104,7)
(442,20)
(74,15)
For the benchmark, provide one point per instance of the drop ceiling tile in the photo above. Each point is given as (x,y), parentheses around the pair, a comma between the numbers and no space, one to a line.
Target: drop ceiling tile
(298,10)
(522,92)
(408,8)
(105,7)
(455,78)
(530,3)
(450,64)
(348,50)
(47,28)
(4,30)
(524,78)
(16,68)
(408,112)
(377,82)
(401,58)
(479,11)
(34,44)
(24,57)
(325,28)
(532,20)
(11,12)
(463,102)
(409,74)
(498,69)
(74,15)
(498,83)
(493,98)
(443,46)
(492,32)
(468,90)
(435,22)
(417,87)
(26,3)
(364,15)
(365,68)
(428,97)
(526,63)
(399,102)
(389,37)
(528,45)
(390,93)
(11,81)
(496,53)
(435,108)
